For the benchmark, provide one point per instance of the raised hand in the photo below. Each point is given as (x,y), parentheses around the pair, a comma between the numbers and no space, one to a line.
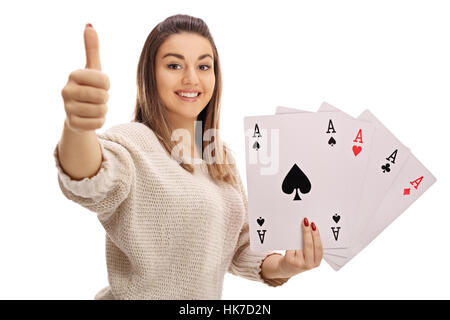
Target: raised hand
(86,92)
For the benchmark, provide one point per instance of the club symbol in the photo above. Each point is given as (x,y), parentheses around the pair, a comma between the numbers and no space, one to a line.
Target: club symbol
(386,167)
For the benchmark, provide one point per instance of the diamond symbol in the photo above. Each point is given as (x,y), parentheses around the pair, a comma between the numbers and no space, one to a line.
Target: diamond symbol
(406,191)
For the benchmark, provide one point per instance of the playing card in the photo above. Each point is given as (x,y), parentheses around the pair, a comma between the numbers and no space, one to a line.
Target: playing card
(387,158)
(331,210)
(378,179)
(356,177)
(291,169)
(374,200)
(332,264)
(412,181)
(286,110)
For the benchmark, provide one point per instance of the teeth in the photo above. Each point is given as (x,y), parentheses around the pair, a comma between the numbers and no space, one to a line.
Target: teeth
(189,95)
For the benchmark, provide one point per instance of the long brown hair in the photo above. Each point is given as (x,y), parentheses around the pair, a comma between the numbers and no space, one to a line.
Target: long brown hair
(151,111)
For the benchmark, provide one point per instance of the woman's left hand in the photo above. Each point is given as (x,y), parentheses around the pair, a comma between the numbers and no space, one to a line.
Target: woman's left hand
(297,261)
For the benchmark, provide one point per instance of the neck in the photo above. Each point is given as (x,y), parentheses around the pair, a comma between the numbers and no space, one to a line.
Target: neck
(190,149)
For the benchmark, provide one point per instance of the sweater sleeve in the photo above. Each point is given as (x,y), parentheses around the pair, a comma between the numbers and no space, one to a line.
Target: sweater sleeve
(105,191)
(247,263)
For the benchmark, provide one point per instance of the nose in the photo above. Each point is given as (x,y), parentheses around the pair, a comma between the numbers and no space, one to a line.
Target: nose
(190,76)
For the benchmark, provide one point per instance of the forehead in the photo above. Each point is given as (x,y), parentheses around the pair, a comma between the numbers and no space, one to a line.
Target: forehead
(190,45)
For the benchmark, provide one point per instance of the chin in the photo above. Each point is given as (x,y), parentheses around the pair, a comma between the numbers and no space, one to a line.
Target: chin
(186,114)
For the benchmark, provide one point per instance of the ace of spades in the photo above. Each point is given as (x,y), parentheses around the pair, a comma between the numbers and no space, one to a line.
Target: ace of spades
(296,180)
(294,174)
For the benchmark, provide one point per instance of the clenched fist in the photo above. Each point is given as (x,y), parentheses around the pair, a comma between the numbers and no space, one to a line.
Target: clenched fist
(86,92)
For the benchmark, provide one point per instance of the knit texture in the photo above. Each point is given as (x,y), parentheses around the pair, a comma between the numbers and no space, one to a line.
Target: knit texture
(170,234)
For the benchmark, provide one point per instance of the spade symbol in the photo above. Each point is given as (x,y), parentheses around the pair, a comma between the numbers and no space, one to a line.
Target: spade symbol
(294,180)
(336,218)
(260,221)
(256,146)
(331,142)
(386,167)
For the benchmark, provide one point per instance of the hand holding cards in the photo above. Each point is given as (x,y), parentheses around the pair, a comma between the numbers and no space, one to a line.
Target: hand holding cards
(327,166)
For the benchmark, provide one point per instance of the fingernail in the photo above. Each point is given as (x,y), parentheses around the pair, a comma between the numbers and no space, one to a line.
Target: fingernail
(305,221)
(89,25)
(313,226)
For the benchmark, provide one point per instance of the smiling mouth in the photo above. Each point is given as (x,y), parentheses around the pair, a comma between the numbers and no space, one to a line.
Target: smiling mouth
(190,95)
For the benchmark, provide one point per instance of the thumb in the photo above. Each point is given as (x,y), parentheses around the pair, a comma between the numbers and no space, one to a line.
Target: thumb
(92,48)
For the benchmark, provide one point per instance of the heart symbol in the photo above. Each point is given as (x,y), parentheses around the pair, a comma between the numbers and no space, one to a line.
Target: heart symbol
(356,150)
(260,221)
(336,218)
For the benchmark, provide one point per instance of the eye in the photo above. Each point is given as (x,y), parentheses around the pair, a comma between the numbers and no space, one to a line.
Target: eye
(174,66)
(205,67)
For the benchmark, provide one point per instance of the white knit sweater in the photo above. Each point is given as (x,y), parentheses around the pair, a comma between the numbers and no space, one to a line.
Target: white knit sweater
(170,234)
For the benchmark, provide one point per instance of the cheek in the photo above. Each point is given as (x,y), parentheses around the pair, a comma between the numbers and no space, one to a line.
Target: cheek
(164,84)
(209,85)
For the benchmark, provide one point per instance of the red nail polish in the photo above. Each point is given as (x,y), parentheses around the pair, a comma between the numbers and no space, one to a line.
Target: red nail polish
(313,226)
(305,221)
(89,25)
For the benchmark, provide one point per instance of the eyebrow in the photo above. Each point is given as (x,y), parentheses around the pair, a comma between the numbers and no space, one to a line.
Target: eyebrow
(179,56)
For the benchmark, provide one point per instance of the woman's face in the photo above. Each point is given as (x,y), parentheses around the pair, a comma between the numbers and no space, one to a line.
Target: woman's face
(185,74)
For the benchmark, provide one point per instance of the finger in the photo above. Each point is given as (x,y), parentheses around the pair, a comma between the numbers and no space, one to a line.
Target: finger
(290,254)
(86,110)
(318,249)
(88,94)
(86,123)
(92,48)
(90,77)
(308,245)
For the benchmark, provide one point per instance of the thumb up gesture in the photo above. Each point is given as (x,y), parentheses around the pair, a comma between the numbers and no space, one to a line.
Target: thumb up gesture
(86,92)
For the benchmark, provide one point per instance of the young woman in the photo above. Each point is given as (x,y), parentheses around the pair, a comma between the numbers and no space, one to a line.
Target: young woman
(175,224)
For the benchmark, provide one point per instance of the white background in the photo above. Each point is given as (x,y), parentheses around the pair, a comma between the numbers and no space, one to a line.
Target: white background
(392,57)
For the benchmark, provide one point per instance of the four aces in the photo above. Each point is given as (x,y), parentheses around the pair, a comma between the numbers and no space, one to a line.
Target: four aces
(340,172)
